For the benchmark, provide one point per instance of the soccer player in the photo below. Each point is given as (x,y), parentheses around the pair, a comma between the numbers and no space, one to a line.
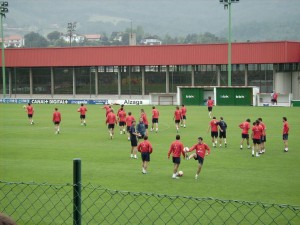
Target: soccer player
(155,115)
(121,108)
(202,150)
(141,129)
(213,127)
(111,120)
(222,131)
(257,131)
(145,148)
(245,126)
(56,118)
(144,116)
(107,109)
(82,111)
(129,120)
(122,120)
(263,136)
(176,149)
(30,110)
(210,104)
(285,134)
(177,117)
(274,97)
(183,114)
(133,140)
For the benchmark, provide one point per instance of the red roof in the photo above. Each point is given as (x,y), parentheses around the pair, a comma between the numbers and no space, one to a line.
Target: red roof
(194,54)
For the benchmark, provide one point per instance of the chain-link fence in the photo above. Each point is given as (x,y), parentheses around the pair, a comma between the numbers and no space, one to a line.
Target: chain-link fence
(33,203)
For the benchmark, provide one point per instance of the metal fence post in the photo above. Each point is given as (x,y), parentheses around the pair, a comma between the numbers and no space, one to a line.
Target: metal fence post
(77,191)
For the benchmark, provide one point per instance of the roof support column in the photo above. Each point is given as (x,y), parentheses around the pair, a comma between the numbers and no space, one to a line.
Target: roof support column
(30,82)
(168,79)
(52,81)
(74,82)
(246,75)
(142,68)
(193,75)
(96,81)
(119,81)
(10,83)
(218,75)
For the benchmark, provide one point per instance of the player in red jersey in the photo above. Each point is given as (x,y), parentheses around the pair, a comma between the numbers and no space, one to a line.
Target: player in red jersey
(122,120)
(183,114)
(210,103)
(56,118)
(202,150)
(257,131)
(121,108)
(285,134)
(274,97)
(144,116)
(111,120)
(129,120)
(155,116)
(30,111)
(107,109)
(177,118)
(82,111)
(245,126)
(213,127)
(176,149)
(263,137)
(145,148)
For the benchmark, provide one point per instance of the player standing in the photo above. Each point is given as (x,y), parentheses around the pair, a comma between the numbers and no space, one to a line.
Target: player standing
(263,136)
(129,120)
(56,118)
(133,140)
(122,120)
(274,97)
(155,115)
(222,131)
(177,117)
(111,120)
(210,104)
(213,127)
(141,129)
(82,111)
(145,148)
(245,126)
(30,110)
(202,150)
(183,114)
(176,149)
(257,131)
(285,134)
(144,116)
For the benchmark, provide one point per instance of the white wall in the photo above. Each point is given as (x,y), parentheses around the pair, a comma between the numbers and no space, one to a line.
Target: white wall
(283,82)
(296,85)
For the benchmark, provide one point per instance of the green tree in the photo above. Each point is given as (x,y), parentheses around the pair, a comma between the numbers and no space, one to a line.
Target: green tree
(53,36)
(35,40)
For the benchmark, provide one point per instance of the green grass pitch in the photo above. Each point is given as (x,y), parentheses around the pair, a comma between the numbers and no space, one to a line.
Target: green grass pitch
(35,153)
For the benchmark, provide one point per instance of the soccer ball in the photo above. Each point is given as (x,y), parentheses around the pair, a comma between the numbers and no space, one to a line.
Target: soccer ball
(180,173)
(186,149)
(24,106)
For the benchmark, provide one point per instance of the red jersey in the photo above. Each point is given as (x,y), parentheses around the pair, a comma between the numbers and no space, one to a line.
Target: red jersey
(257,131)
(286,128)
(107,109)
(245,126)
(82,110)
(145,146)
(183,111)
(210,103)
(176,149)
(56,116)
(200,149)
(155,113)
(122,116)
(111,118)
(177,114)
(29,109)
(129,120)
(264,128)
(214,125)
(145,120)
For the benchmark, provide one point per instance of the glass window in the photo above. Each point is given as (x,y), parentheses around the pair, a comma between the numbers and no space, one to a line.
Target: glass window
(131,82)
(85,80)
(41,79)
(20,81)
(155,82)
(108,83)
(63,80)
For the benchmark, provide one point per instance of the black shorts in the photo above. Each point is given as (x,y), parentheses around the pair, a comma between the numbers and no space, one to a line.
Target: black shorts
(145,156)
(200,159)
(111,126)
(121,124)
(184,117)
(82,116)
(245,136)
(274,100)
(141,136)
(128,128)
(57,122)
(133,141)
(222,134)
(256,141)
(263,139)
(29,115)
(209,109)
(285,137)
(214,134)
(176,160)
(155,120)
(146,126)
(177,121)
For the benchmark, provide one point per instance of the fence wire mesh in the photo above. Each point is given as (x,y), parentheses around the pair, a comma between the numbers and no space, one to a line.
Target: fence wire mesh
(43,203)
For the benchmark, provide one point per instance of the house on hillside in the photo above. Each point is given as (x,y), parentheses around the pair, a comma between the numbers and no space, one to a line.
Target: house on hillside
(75,38)
(92,37)
(14,41)
(152,40)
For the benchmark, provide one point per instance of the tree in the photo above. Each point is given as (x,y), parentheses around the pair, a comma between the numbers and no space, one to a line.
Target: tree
(35,40)
(53,36)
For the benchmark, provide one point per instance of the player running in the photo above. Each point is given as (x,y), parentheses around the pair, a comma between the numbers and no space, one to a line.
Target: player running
(110,121)
(263,137)
(122,120)
(285,134)
(82,110)
(183,116)
(176,149)
(56,118)
(30,111)
(155,116)
(177,117)
(210,103)
(213,127)
(145,148)
(222,131)
(245,126)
